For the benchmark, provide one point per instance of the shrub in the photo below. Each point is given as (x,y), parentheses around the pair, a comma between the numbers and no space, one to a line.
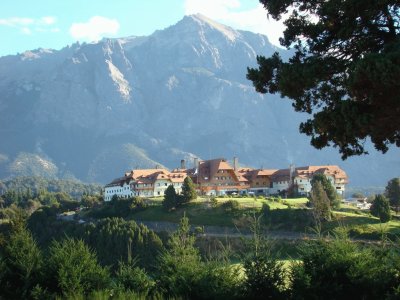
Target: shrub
(132,278)
(380,208)
(214,201)
(265,209)
(231,205)
(74,268)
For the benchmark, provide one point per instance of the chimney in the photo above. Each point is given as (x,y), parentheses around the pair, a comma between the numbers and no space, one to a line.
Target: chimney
(196,162)
(183,164)
(235,163)
(157,167)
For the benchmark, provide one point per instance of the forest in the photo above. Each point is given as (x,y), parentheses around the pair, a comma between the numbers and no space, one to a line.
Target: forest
(112,256)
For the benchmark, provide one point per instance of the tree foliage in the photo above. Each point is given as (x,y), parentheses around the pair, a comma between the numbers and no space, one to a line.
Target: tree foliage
(320,203)
(329,189)
(188,190)
(171,199)
(130,277)
(392,192)
(22,263)
(75,189)
(344,70)
(380,208)
(179,266)
(75,269)
(342,269)
(264,274)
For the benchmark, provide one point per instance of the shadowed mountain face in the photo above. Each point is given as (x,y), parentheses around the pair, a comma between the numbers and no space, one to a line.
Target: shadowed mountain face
(94,111)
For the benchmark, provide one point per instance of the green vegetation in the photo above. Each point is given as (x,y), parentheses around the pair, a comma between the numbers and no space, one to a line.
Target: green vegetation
(392,192)
(345,59)
(188,190)
(52,250)
(264,274)
(75,189)
(68,268)
(380,208)
(329,189)
(320,202)
(171,198)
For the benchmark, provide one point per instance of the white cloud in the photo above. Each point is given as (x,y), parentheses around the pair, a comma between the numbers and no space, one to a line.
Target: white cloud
(229,12)
(48,20)
(94,29)
(16,22)
(211,8)
(29,25)
(26,30)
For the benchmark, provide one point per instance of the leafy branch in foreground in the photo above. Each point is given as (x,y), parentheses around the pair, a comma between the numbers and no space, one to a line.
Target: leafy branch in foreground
(344,70)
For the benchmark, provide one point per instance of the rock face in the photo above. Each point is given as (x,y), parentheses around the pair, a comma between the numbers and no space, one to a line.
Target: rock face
(94,111)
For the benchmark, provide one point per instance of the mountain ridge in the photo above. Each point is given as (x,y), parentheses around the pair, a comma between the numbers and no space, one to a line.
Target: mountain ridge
(99,109)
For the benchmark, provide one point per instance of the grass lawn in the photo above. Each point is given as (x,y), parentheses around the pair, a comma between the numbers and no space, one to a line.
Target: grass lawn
(197,213)
(200,211)
(291,215)
(254,202)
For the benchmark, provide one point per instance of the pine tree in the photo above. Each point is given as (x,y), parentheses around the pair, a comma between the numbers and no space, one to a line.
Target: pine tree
(380,208)
(328,188)
(170,198)
(343,72)
(188,190)
(392,192)
(320,202)
(180,267)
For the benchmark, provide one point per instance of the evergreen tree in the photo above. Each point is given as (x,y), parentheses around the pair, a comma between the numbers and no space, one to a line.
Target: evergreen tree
(188,190)
(170,198)
(22,265)
(180,267)
(392,192)
(320,202)
(380,208)
(264,274)
(344,70)
(73,268)
(338,268)
(129,277)
(329,189)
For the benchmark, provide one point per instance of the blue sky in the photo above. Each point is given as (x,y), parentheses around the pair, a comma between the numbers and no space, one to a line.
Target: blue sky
(26,25)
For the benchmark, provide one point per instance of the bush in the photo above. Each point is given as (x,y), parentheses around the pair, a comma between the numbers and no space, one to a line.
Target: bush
(380,208)
(265,209)
(214,201)
(74,268)
(342,269)
(134,279)
(231,205)
(199,230)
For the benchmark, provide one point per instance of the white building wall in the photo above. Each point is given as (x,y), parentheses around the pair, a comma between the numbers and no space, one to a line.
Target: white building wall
(279,186)
(121,191)
(303,185)
(160,186)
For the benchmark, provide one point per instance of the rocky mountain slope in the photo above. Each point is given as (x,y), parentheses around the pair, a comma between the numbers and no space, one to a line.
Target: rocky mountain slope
(93,111)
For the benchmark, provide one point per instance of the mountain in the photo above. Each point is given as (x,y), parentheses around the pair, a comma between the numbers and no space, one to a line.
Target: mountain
(93,111)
